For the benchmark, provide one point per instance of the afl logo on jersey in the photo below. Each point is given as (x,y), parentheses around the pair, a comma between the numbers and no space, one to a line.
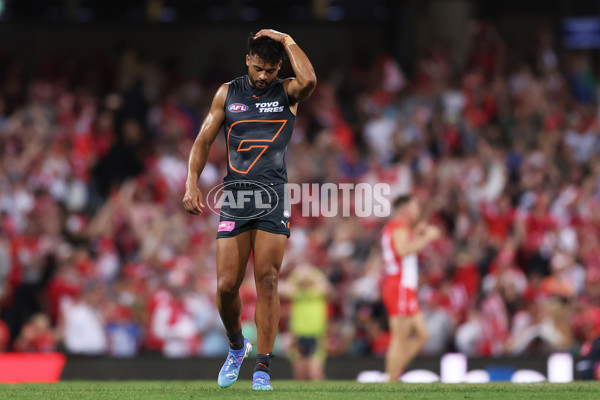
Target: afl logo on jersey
(237,107)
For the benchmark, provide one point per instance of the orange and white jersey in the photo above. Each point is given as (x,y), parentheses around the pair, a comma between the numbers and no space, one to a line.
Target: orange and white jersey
(406,267)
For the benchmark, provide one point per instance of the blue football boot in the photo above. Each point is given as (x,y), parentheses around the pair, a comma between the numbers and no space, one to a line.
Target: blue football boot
(261,381)
(231,369)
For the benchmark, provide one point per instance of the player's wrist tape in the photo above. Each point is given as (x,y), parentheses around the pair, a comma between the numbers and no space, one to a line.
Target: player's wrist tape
(287,40)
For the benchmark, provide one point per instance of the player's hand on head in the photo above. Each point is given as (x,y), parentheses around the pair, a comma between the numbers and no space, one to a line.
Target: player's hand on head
(193,201)
(273,34)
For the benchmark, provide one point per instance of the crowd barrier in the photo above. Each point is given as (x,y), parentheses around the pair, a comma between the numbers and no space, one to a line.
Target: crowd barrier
(450,368)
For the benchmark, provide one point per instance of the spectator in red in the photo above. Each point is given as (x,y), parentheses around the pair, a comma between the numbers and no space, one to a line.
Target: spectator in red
(36,335)
(535,224)
(499,218)
(505,278)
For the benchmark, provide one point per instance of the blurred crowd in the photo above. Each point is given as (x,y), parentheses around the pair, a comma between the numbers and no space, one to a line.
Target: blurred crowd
(98,257)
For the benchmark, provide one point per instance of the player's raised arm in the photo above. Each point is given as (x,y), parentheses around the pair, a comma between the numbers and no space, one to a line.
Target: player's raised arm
(193,201)
(300,88)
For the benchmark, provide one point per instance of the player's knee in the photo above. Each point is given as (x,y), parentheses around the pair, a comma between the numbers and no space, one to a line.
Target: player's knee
(267,284)
(227,287)
(423,338)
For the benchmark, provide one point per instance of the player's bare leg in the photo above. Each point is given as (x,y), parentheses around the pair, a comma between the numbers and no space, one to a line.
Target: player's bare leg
(232,257)
(416,340)
(300,369)
(268,256)
(408,336)
(316,369)
(400,328)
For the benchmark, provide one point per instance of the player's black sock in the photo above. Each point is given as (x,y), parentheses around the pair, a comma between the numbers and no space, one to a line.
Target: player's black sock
(236,341)
(263,362)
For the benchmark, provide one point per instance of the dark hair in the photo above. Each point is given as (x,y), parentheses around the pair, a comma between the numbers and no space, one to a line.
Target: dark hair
(266,49)
(402,200)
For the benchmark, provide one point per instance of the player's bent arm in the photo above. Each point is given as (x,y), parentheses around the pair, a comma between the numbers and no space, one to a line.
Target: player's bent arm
(404,246)
(206,136)
(301,87)
(199,154)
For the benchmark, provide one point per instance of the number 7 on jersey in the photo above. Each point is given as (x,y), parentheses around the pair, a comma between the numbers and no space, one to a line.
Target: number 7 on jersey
(249,144)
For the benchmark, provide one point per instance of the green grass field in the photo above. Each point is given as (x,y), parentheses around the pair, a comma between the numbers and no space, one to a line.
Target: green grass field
(299,390)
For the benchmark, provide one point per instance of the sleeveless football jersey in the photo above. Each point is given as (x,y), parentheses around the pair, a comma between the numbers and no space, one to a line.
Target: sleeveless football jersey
(258,128)
(407,266)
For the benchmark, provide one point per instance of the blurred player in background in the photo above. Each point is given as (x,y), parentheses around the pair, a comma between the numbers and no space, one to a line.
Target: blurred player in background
(403,237)
(308,288)
(258,112)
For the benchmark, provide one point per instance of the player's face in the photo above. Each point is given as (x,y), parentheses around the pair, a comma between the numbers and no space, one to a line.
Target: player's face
(261,73)
(414,210)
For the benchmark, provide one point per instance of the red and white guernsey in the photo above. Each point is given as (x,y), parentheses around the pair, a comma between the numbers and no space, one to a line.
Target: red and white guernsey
(407,267)
(402,274)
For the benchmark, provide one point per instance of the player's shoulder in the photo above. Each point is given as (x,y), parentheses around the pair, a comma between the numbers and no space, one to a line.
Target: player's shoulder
(222,94)
(236,82)
(397,224)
